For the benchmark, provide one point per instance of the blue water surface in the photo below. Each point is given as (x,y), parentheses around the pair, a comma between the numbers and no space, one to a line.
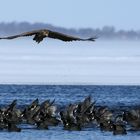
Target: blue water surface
(112,96)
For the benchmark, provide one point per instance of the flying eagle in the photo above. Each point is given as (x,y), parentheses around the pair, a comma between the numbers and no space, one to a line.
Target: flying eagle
(39,35)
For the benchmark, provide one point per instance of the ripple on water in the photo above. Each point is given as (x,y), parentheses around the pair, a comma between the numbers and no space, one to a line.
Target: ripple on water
(63,95)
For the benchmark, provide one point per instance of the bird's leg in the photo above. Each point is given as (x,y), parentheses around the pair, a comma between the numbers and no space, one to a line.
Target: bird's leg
(38,37)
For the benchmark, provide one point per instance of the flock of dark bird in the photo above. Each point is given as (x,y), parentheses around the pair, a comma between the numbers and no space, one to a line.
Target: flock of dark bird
(74,117)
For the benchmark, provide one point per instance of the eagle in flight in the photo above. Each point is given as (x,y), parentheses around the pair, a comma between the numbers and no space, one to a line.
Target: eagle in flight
(39,35)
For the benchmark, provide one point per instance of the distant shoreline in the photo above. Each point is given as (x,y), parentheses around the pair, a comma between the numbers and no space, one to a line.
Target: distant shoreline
(106,32)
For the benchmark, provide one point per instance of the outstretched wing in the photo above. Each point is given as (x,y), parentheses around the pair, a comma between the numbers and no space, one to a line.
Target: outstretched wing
(40,34)
(64,37)
(21,35)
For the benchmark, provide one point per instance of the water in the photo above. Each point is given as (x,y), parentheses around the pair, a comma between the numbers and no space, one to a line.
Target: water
(56,62)
(112,96)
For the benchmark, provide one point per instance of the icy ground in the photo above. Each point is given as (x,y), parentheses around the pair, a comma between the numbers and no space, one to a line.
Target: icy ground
(55,62)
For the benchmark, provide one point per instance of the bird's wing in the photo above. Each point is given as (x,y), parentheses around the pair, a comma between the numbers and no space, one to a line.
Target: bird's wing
(56,35)
(21,35)
(64,37)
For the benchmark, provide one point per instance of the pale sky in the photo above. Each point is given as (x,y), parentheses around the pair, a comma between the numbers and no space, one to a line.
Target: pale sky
(123,14)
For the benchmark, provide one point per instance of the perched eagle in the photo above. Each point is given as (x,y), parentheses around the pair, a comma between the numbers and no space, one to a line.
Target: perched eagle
(39,35)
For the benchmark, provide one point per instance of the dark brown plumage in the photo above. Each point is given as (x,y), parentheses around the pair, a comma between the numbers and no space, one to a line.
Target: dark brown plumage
(39,35)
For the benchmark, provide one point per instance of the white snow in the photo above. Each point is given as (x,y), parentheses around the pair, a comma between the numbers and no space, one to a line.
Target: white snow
(55,62)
